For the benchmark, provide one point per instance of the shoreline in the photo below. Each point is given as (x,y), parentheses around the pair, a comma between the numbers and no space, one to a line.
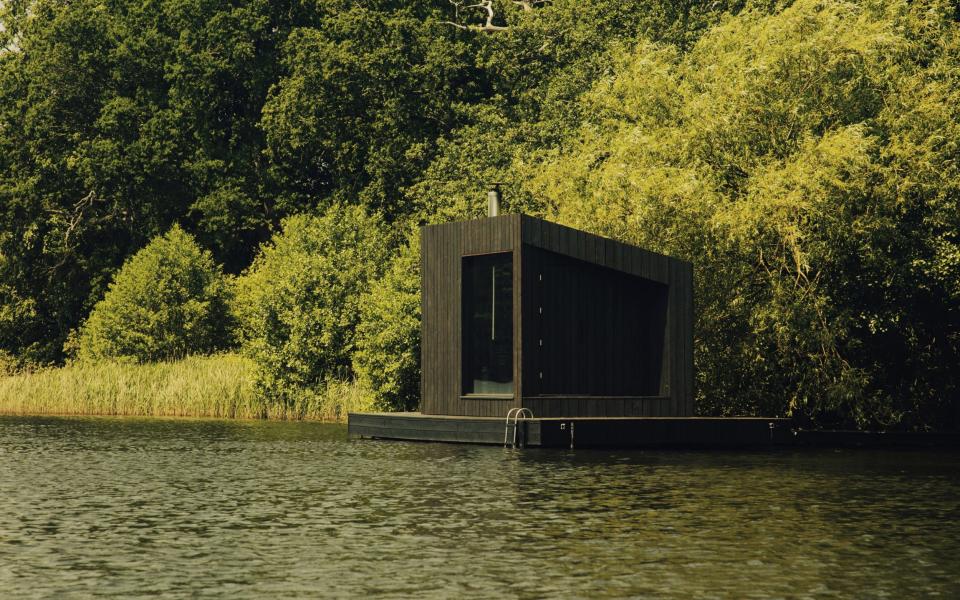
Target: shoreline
(812,439)
(170,417)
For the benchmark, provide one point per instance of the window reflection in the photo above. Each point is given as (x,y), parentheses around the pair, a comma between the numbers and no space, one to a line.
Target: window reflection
(488,324)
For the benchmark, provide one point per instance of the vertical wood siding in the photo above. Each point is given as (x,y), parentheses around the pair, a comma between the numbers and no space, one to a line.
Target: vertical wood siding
(442,250)
(600,331)
(591,281)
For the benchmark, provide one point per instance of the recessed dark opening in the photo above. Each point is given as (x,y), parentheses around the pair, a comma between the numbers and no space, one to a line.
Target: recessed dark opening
(600,332)
(487,320)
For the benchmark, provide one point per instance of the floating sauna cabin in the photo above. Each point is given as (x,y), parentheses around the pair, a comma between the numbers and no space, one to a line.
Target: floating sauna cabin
(519,312)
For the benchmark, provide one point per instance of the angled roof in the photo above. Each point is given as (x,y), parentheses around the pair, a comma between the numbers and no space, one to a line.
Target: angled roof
(492,234)
(598,250)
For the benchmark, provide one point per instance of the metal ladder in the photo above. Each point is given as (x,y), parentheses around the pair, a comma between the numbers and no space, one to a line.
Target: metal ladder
(517,414)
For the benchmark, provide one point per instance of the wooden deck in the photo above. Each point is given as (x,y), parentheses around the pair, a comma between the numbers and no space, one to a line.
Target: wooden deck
(577,432)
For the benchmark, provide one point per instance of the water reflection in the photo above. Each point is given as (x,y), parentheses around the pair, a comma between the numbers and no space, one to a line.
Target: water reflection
(246,509)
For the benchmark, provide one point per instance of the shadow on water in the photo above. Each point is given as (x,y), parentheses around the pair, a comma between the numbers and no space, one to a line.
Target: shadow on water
(135,507)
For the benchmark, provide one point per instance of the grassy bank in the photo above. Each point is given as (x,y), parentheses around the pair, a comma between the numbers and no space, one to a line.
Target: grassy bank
(211,386)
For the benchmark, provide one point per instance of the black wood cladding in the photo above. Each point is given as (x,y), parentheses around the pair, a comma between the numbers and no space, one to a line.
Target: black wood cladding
(616,322)
(600,331)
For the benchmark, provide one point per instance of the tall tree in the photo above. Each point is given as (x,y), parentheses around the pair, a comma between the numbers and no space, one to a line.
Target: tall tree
(792,156)
(363,99)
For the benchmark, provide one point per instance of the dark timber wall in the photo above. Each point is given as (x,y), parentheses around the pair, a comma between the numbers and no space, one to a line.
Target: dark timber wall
(442,250)
(600,328)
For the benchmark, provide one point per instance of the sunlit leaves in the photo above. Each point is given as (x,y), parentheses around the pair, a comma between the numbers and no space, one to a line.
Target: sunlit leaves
(805,161)
(299,303)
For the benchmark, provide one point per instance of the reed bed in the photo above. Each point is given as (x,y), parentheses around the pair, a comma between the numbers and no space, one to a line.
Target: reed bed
(331,402)
(220,386)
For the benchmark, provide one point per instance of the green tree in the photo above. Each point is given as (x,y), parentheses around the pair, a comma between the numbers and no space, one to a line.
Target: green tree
(535,69)
(803,154)
(120,118)
(101,150)
(775,154)
(387,356)
(364,96)
(168,301)
(299,303)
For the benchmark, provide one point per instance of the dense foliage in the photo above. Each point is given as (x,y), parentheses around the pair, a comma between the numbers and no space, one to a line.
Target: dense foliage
(167,302)
(299,303)
(803,154)
(387,358)
(805,161)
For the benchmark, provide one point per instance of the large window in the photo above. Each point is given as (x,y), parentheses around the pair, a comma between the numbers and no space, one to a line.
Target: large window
(488,324)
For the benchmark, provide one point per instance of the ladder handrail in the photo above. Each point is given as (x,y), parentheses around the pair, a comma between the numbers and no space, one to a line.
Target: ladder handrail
(506,425)
(516,413)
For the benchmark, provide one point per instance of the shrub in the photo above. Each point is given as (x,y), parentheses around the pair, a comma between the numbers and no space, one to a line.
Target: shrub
(299,302)
(387,360)
(168,301)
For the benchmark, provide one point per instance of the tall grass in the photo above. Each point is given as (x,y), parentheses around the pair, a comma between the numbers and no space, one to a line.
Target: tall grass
(220,386)
(331,402)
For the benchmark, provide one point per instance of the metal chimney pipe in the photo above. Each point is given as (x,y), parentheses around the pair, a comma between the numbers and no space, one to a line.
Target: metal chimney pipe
(493,200)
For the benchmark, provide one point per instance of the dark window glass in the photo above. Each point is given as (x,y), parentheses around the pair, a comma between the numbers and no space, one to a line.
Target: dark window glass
(488,324)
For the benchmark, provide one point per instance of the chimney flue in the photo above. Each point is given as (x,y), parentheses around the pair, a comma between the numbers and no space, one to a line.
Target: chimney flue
(493,200)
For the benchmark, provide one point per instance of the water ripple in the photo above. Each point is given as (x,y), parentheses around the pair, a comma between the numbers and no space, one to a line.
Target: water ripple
(178,508)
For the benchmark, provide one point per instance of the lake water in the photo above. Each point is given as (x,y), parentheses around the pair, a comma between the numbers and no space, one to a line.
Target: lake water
(190,508)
